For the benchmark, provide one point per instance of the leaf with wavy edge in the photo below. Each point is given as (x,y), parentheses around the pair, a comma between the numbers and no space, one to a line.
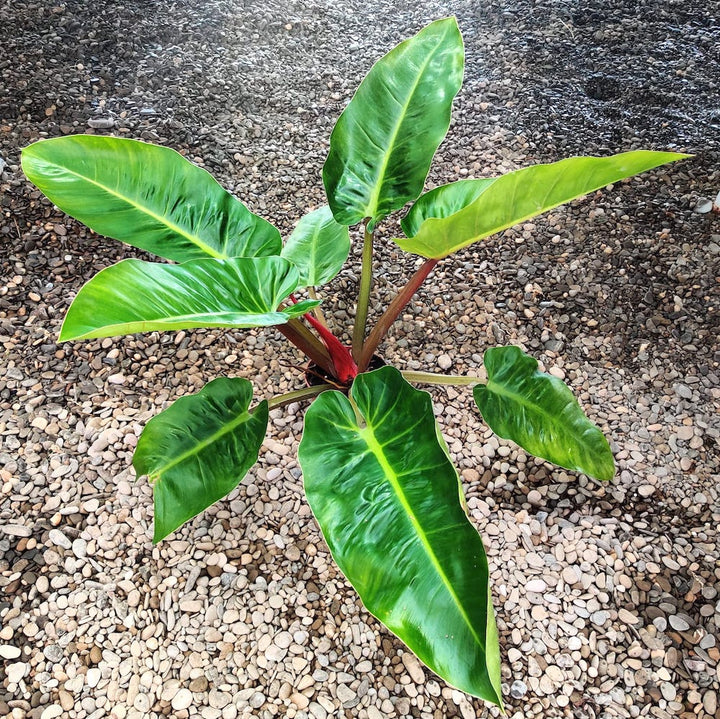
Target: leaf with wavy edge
(525,193)
(386,497)
(148,196)
(541,414)
(384,141)
(137,296)
(318,247)
(199,449)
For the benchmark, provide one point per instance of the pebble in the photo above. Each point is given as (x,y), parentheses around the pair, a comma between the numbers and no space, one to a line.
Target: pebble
(7,651)
(59,539)
(536,585)
(16,672)
(677,622)
(518,689)
(444,362)
(51,712)
(182,700)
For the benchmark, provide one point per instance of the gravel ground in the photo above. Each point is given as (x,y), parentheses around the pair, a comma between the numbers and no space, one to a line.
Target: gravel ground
(607,596)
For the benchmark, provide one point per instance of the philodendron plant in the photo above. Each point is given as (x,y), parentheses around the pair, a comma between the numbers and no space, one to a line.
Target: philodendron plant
(377,473)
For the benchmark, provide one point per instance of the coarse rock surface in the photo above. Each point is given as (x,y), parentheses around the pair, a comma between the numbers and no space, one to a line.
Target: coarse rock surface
(606,595)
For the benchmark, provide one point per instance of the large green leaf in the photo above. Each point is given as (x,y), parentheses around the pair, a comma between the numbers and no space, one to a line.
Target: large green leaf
(148,196)
(443,201)
(137,296)
(318,247)
(386,497)
(525,193)
(540,413)
(199,449)
(384,141)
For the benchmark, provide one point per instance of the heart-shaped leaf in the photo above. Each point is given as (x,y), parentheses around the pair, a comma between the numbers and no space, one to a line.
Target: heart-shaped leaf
(384,141)
(540,413)
(523,194)
(318,247)
(386,497)
(199,449)
(148,196)
(137,296)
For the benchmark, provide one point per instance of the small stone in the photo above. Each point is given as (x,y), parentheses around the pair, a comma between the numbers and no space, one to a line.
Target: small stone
(59,539)
(92,678)
(101,123)
(646,490)
(518,689)
(536,585)
(182,700)
(16,672)
(599,618)
(678,623)
(256,700)
(534,497)
(345,694)
(444,361)
(710,702)
(79,547)
(668,691)
(200,684)
(9,652)
(412,664)
(53,653)
(51,712)
(16,530)
(627,617)
(66,700)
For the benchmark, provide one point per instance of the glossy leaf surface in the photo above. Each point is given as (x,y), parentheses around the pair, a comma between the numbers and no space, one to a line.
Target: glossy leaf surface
(386,497)
(137,296)
(148,196)
(318,247)
(198,450)
(443,201)
(541,414)
(525,193)
(384,141)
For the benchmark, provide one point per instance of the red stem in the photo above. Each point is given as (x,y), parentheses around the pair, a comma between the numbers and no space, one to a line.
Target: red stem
(393,311)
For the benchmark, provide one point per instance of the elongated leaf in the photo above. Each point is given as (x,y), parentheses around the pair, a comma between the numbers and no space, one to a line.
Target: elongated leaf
(148,196)
(199,449)
(540,413)
(318,247)
(443,201)
(383,143)
(386,497)
(525,193)
(136,296)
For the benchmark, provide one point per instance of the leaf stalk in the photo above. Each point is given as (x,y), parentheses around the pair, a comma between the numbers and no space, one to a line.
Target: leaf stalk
(446,379)
(393,311)
(297,395)
(363,295)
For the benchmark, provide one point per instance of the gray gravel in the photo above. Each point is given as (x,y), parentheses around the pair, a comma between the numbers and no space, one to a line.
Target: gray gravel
(607,595)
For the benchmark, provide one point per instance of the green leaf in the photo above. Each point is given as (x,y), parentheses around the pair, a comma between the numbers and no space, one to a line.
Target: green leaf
(148,196)
(199,449)
(137,296)
(540,413)
(525,193)
(443,201)
(386,497)
(384,141)
(318,247)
